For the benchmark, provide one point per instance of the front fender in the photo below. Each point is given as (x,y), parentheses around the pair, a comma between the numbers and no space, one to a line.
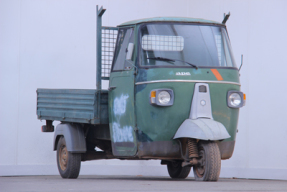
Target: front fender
(203,129)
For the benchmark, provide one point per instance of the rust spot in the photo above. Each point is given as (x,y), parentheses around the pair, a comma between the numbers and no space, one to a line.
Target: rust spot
(221,114)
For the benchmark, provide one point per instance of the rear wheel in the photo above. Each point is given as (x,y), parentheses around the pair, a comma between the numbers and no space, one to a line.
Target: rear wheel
(176,171)
(210,162)
(69,164)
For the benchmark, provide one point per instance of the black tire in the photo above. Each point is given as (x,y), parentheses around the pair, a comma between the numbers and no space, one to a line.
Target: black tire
(176,171)
(209,154)
(69,164)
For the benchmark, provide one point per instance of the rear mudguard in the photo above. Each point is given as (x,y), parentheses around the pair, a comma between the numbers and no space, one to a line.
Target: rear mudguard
(74,137)
(203,129)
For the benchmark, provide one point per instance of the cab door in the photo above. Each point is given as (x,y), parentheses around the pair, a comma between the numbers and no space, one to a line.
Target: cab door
(121,98)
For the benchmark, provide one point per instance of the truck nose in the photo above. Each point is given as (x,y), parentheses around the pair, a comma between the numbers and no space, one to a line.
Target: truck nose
(201,104)
(200,124)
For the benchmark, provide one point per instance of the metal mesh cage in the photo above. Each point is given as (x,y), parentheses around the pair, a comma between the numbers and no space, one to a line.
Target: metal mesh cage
(109,37)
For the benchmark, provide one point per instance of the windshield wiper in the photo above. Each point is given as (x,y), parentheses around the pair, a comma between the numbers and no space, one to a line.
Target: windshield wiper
(161,59)
(172,60)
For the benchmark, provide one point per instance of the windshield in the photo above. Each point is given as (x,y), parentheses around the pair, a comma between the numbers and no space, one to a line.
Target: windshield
(200,45)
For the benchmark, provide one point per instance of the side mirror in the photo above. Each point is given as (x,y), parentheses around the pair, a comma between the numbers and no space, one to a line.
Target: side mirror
(130,50)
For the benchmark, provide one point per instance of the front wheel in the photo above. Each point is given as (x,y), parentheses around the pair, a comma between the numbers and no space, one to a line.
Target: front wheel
(69,164)
(176,171)
(210,162)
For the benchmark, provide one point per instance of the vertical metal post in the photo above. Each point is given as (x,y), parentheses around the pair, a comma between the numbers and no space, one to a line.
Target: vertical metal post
(100,13)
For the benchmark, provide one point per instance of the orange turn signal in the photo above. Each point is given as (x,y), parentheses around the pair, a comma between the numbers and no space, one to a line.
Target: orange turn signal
(244,96)
(153,94)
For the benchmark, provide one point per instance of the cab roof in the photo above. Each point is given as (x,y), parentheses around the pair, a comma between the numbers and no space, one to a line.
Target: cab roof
(169,19)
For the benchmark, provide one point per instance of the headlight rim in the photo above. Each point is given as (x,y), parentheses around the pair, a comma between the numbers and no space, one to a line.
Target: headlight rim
(229,93)
(155,101)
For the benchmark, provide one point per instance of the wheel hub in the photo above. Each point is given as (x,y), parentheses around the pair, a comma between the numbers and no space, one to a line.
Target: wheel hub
(63,157)
(200,168)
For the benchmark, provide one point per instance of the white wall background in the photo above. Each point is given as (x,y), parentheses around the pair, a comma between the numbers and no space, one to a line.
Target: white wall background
(52,44)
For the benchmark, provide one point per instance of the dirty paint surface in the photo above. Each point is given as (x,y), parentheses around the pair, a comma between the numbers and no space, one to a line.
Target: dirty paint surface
(120,105)
(161,123)
(125,133)
(121,113)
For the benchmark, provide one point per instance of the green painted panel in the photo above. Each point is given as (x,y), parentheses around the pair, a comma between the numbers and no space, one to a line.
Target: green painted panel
(73,105)
(121,113)
(201,74)
(156,123)
(161,123)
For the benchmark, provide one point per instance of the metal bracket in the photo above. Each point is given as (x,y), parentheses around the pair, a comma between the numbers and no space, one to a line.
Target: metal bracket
(225,18)
(101,11)
(48,127)
(241,62)
(111,88)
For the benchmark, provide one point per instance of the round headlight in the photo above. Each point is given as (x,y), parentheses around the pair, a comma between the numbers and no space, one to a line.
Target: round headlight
(235,99)
(164,97)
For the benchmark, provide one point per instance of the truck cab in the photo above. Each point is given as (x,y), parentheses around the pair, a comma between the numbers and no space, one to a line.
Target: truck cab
(168,56)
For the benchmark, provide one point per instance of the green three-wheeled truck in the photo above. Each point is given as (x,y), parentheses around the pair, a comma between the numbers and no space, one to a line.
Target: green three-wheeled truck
(174,95)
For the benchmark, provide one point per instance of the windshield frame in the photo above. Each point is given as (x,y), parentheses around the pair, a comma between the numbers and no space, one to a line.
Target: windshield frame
(139,48)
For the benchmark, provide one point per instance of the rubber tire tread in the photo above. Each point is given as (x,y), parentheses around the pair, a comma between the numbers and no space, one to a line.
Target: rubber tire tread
(212,160)
(180,173)
(74,163)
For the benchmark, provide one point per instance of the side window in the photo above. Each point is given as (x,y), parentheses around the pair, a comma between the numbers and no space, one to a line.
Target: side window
(124,37)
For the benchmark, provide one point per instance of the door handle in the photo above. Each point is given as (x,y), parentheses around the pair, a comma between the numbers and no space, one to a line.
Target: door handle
(111,88)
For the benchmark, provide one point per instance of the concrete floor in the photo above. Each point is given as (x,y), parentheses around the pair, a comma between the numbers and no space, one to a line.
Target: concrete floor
(132,183)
